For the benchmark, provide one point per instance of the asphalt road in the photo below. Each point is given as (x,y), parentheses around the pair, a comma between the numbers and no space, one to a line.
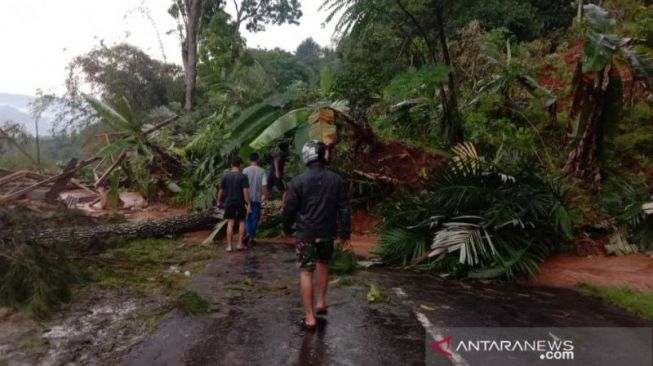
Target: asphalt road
(258,313)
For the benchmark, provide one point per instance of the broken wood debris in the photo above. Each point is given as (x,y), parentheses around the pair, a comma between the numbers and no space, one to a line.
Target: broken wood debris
(16,185)
(379,177)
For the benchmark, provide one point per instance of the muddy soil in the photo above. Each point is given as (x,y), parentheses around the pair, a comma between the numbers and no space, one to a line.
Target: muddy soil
(634,271)
(97,329)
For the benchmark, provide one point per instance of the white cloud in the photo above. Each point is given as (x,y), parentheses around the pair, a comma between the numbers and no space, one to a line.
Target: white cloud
(39,37)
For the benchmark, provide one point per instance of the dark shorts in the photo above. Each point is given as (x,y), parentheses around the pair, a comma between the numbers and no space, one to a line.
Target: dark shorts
(235,211)
(276,183)
(310,253)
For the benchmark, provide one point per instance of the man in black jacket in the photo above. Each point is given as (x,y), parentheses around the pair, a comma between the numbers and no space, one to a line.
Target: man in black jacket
(318,204)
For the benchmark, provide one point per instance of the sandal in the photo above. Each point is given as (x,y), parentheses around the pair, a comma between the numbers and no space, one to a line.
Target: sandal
(308,328)
(321,311)
(242,249)
(229,250)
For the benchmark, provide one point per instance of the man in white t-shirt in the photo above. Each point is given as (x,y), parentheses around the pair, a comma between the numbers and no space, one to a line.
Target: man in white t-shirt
(258,193)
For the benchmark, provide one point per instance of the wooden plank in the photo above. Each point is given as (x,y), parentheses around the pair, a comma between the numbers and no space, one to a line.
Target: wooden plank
(36,185)
(79,185)
(160,125)
(12,177)
(62,181)
(113,166)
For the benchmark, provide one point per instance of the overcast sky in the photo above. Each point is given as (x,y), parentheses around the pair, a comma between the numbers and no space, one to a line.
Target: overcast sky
(39,37)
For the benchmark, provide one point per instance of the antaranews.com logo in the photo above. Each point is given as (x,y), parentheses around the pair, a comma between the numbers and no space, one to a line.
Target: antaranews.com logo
(519,346)
(555,349)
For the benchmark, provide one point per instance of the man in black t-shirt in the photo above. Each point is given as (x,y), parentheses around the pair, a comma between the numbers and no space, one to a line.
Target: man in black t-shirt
(277,169)
(234,195)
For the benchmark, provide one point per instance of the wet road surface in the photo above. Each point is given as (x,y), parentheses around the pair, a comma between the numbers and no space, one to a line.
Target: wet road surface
(258,314)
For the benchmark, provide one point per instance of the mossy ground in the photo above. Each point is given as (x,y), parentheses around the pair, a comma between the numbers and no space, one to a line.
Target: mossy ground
(636,301)
(150,263)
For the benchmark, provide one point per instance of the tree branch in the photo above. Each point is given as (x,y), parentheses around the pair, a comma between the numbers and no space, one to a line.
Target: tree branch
(419,29)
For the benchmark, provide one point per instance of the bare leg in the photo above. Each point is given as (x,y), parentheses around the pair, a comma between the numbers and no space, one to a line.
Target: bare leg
(306,288)
(241,234)
(230,233)
(322,284)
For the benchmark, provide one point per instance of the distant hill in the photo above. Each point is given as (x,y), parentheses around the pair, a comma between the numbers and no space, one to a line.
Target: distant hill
(15,108)
(18,101)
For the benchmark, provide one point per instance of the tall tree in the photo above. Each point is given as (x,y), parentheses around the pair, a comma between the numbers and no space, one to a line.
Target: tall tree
(308,50)
(108,70)
(255,14)
(416,21)
(192,15)
(188,14)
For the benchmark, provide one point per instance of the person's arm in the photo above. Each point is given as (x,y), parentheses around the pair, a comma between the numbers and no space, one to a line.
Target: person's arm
(221,192)
(277,166)
(248,202)
(344,216)
(265,196)
(246,194)
(293,203)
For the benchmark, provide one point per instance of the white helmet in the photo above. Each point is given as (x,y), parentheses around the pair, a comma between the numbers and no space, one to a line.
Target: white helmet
(314,151)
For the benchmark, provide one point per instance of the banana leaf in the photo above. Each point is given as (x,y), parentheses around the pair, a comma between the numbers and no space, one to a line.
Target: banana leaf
(280,127)
(641,64)
(116,147)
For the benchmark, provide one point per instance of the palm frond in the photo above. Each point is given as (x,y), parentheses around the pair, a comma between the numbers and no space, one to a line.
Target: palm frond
(400,246)
(110,116)
(470,239)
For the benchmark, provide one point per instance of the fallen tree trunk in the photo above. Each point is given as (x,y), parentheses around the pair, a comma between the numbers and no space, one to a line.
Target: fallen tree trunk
(95,235)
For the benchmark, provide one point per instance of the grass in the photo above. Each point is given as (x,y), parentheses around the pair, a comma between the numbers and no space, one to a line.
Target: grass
(193,304)
(636,301)
(36,278)
(146,264)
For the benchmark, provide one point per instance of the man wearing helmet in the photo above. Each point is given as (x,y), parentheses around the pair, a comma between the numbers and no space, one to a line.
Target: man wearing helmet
(319,206)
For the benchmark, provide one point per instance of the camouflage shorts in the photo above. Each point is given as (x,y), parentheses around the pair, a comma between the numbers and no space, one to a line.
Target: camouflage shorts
(309,253)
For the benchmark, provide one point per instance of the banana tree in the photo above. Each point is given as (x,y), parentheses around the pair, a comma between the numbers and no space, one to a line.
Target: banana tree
(134,140)
(599,92)
(314,122)
(274,118)
(512,81)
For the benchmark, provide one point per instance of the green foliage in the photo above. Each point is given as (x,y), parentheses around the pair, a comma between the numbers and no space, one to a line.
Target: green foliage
(36,278)
(252,121)
(119,69)
(377,295)
(603,44)
(325,81)
(143,264)
(271,225)
(625,202)
(637,301)
(401,246)
(280,127)
(526,20)
(418,83)
(497,220)
(343,262)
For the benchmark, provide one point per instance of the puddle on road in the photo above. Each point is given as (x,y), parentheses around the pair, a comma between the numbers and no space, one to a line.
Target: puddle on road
(98,331)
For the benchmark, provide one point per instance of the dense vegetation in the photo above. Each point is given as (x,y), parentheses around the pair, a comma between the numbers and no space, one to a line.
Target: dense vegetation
(552,100)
